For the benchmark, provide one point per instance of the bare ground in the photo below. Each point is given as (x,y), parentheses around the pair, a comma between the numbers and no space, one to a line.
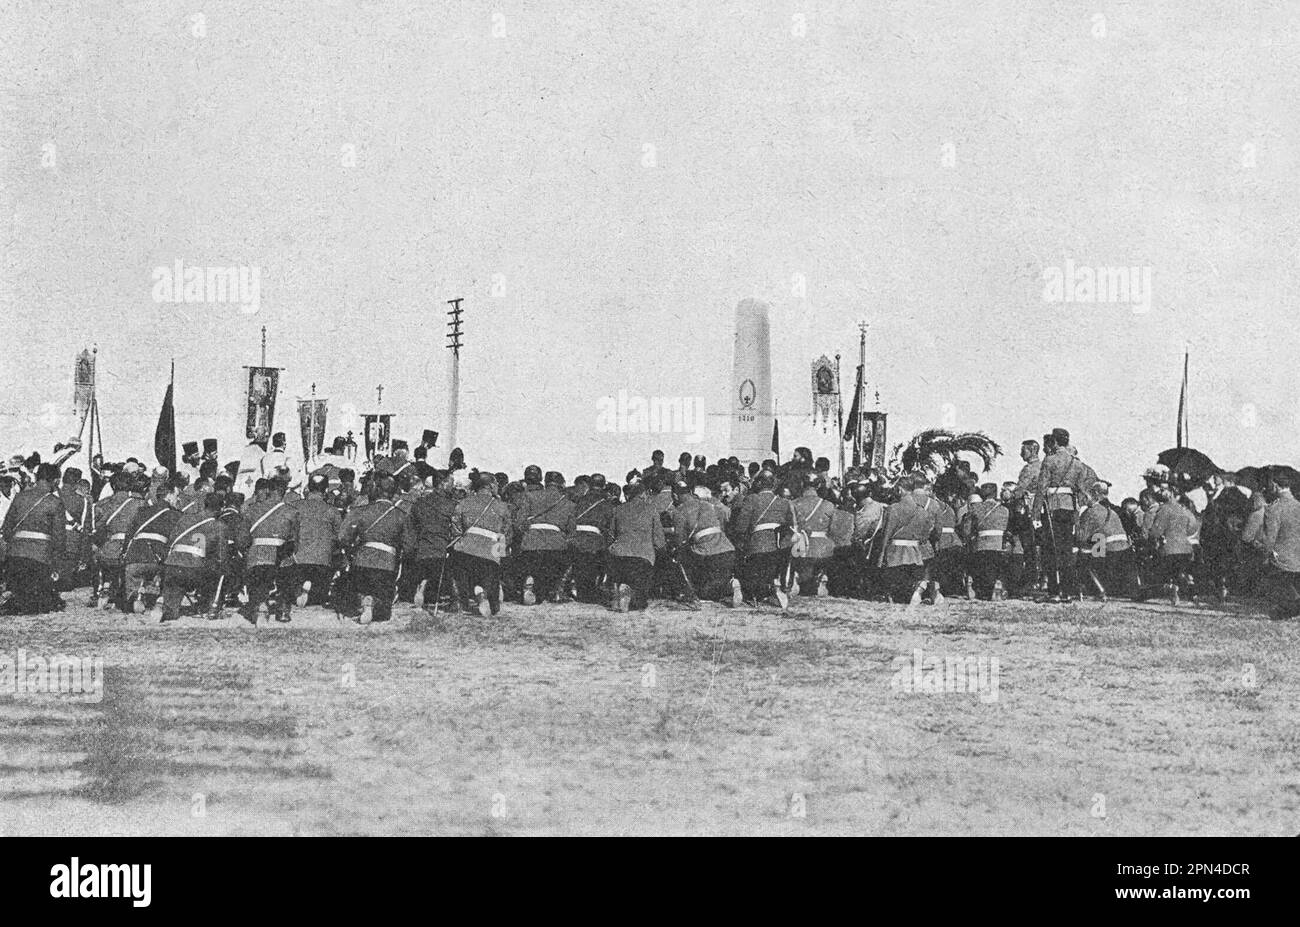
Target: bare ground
(1115,719)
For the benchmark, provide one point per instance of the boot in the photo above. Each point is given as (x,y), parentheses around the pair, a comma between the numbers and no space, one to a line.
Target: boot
(301,601)
(530,594)
(481,602)
(367,610)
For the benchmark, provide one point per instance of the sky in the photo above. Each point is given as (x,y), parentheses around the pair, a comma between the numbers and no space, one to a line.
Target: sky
(602,183)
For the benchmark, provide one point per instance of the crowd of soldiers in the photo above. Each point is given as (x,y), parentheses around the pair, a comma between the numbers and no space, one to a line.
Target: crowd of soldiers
(261,539)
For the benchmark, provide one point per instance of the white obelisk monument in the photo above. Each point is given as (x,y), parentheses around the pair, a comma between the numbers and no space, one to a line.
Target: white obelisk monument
(751,383)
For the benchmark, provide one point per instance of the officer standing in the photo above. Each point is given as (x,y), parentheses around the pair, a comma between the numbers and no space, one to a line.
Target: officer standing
(1061,487)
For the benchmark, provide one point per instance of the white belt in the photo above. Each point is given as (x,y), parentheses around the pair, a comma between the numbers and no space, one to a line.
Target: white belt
(543,526)
(1060,491)
(150,536)
(188,549)
(31,536)
(900,543)
(949,530)
(706,532)
(992,532)
(117,537)
(475,529)
(817,534)
(268,542)
(592,529)
(1116,538)
(767,526)
(386,548)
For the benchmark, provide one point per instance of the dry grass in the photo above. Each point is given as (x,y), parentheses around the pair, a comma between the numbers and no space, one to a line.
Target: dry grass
(573,720)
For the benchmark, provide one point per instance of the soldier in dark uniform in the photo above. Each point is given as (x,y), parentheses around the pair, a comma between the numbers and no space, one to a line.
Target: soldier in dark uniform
(762,519)
(195,560)
(1063,480)
(1024,507)
(112,518)
(636,535)
(812,519)
(545,519)
(985,527)
(307,577)
(146,546)
(34,534)
(73,567)
(591,525)
(380,535)
(431,520)
(272,529)
(707,554)
(482,524)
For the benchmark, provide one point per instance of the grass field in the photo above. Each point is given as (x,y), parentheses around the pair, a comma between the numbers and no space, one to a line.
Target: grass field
(1115,719)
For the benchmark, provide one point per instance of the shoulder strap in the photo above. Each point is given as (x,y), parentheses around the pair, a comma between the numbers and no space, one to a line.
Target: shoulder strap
(392,507)
(194,527)
(35,505)
(266,515)
(109,520)
(588,509)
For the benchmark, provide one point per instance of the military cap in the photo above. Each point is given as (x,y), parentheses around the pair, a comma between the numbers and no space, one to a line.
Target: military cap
(189,449)
(554,478)
(209,445)
(429,438)
(597,480)
(317,482)
(398,445)
(532,474)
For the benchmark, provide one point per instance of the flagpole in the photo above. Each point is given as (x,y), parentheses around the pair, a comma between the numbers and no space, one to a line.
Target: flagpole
(859,402)
(839,415)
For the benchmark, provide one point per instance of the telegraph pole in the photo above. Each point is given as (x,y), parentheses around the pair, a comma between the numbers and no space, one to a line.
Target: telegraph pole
(453,395)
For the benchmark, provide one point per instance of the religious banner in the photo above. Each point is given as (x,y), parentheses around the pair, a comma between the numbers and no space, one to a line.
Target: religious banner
(263,385)
(873,440)
(825,391)
(378,433)
(83,385)
(311,418)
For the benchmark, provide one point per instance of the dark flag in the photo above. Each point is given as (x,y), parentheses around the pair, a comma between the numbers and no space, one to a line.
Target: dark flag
(1182,407)
(855,419)
(776,438)
(164,436)
(854,429)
